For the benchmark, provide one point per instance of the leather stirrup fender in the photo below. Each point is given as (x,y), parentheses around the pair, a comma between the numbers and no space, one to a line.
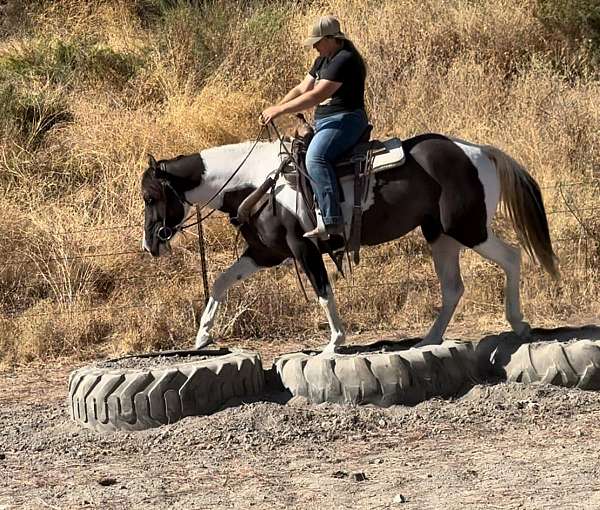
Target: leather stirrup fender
(245,208)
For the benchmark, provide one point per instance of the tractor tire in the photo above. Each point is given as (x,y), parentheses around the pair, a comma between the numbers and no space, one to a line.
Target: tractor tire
(130,399)
(380,378)
(573,364)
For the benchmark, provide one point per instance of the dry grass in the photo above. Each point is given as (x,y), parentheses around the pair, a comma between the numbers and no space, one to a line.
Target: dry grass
(117,80)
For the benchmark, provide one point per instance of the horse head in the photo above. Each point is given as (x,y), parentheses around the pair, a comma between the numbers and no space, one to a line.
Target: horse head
(164,184)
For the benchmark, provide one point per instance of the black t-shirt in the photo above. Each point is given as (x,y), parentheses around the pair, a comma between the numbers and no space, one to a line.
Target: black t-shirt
(346,68)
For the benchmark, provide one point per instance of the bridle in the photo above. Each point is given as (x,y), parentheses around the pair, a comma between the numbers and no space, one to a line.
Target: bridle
(166,233)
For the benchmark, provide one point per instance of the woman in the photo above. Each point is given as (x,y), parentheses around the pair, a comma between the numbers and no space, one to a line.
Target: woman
(336,86)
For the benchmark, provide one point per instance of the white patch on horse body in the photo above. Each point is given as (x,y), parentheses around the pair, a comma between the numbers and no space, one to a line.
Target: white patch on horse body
(221,162)
(509,259)
(487,174)
(290,199)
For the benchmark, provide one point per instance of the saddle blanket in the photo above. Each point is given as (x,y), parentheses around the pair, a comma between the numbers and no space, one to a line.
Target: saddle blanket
(388,154)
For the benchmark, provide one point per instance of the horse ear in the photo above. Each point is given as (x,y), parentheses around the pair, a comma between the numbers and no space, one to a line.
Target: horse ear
(152,162)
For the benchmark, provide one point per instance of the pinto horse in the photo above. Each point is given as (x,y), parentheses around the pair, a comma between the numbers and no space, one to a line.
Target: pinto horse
(448,187)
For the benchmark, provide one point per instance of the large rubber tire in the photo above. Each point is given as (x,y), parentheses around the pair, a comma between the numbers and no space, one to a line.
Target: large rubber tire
(109,399)
(574,364)
(384,379)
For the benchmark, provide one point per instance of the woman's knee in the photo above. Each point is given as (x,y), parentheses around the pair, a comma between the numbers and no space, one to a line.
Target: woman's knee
(315,161)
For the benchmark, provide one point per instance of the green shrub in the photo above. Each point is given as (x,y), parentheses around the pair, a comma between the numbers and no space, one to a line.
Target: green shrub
(579,20)
(195,39)
(150,11)
(64,61)
(29,115)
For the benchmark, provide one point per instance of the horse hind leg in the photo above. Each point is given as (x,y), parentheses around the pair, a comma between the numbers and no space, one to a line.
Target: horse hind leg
(509,259)
(445,252)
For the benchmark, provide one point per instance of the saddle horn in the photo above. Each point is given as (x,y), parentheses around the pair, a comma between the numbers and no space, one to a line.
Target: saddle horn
(304,131)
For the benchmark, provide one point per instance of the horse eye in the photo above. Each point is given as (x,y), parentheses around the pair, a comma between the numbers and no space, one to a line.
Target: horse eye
(148,200)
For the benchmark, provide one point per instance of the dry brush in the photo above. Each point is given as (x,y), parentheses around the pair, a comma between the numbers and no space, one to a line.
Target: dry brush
(89,88)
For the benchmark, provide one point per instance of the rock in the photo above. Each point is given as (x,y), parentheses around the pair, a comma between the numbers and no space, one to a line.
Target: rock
(399,498)
(358,476)
(339,474)
(2,456)
(106,481)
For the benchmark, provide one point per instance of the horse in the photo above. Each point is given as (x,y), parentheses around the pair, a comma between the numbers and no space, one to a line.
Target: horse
(448,187)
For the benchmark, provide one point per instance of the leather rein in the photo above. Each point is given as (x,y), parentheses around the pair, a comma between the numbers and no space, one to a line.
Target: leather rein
(166,233)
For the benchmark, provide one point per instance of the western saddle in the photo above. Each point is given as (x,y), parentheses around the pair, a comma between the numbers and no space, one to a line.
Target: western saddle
(357,161)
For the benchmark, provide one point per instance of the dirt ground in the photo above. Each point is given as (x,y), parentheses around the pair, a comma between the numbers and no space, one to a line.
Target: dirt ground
(502,446)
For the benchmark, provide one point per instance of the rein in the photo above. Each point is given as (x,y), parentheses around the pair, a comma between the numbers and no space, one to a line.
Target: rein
(165,233)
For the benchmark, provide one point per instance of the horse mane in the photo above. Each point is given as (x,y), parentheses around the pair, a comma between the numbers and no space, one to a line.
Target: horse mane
(183,172)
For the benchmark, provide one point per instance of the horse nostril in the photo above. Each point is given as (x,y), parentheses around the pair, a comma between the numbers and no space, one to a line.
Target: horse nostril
(165,233)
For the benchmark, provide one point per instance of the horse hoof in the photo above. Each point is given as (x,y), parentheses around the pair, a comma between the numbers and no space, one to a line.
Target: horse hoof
(203,343)
(426,341)
(330,349)
(523,330)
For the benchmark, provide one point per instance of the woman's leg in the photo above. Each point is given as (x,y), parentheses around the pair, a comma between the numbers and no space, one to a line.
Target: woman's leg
(335,135)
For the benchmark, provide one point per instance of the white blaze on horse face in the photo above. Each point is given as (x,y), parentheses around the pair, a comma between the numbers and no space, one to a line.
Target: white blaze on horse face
(487,174)
(145,245)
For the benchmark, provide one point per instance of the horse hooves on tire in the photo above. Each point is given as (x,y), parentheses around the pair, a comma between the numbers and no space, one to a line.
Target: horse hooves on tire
(118,395)
(380,378)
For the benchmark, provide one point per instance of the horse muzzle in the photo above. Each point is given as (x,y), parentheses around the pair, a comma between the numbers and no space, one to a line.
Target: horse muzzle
(158,242)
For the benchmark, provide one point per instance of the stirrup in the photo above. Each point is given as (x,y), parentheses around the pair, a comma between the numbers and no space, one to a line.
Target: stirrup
(316,233)
(321,231)
(325,233)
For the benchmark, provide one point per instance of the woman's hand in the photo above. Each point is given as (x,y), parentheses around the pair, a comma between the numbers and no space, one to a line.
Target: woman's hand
(270,113)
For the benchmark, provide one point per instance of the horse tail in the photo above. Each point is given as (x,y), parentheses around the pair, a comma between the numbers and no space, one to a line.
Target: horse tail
(522,201)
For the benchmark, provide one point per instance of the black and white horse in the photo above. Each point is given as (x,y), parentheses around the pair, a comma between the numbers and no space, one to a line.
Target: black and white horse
(450,188)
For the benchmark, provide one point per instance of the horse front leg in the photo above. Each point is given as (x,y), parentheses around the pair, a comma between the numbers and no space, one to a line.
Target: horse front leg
(241,269)
(311,260)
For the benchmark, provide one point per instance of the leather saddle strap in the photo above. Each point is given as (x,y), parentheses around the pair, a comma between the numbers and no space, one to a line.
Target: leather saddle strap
(305,189)
(356,225)
(362,173)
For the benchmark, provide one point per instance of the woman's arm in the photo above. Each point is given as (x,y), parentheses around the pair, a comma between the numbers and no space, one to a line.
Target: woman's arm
(321,91)
(304,86)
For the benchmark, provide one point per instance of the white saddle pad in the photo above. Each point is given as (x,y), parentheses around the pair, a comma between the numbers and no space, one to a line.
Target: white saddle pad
(391,156)
(387,155)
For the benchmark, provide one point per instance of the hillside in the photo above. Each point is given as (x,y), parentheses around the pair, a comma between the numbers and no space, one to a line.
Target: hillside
(88,89)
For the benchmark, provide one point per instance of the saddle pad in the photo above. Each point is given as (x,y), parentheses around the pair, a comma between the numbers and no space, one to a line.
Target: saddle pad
(388,156)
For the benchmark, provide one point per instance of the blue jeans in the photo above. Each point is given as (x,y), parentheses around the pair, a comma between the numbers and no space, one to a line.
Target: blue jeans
(334,135)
